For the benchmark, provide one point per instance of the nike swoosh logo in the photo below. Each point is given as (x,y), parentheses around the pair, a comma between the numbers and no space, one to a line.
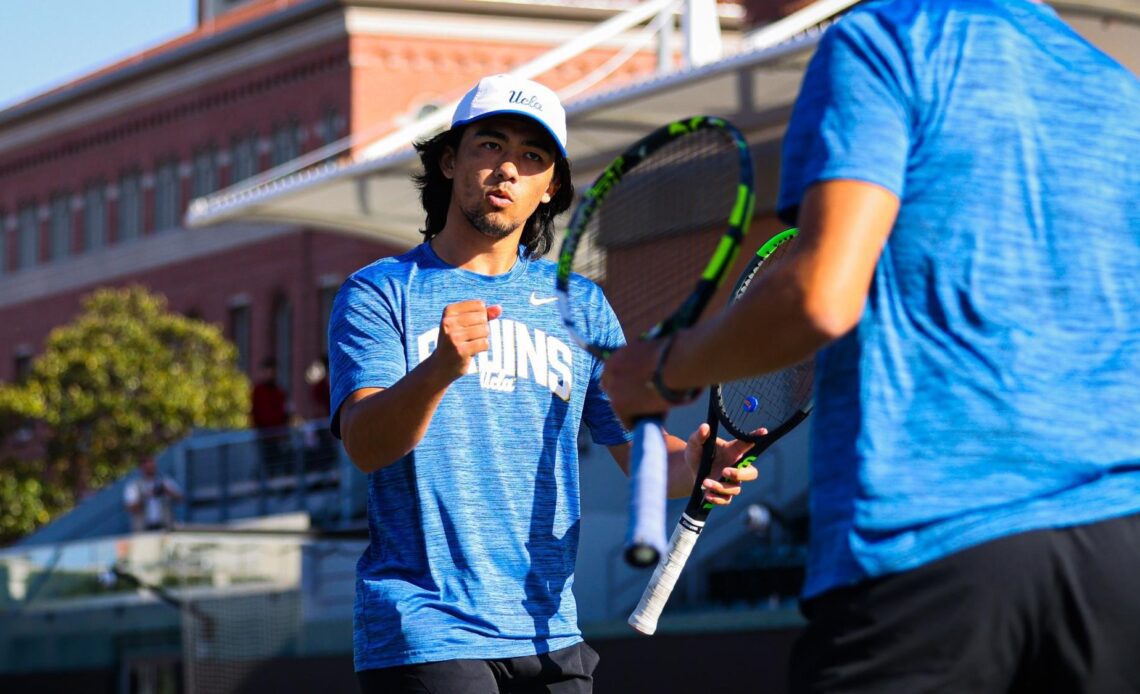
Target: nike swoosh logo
(535,301)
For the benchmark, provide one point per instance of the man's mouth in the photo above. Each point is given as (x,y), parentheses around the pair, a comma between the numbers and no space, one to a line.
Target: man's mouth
(499,198)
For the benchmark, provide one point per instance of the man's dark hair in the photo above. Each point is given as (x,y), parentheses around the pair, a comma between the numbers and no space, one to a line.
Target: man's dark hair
(435,194)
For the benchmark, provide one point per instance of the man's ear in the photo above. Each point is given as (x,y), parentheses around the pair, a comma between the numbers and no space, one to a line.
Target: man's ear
(550,190)
(447,162)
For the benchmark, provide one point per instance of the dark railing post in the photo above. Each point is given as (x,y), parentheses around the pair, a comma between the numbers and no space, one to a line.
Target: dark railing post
(297,444)
(190,482)
(224,481)
(262,463)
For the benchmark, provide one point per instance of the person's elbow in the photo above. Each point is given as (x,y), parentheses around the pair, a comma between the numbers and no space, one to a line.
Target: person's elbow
(365,452)
(354,447)
(832,312)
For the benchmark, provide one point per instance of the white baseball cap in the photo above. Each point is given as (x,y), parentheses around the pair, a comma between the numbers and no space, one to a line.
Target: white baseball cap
(507,94)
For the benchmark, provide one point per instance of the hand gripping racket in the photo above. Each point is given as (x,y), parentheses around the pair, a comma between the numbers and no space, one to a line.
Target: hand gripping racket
(667,214)
(777,401)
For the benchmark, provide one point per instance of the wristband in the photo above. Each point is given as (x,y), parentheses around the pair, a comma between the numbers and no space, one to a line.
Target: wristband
(670,395)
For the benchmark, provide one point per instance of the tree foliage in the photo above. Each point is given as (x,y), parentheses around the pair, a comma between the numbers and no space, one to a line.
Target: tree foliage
(123,380)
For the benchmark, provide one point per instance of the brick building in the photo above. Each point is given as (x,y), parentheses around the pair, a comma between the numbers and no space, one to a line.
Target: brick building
(95,176)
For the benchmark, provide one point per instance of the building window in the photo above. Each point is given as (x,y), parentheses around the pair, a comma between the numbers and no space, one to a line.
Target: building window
(283,341)
(23,365)
(330,125)
(130,207)
(167,200)
(29,251)
(244,158)
(240,334)
(329,129)
(286,145)
(60,226)
(3,243)
(95,217)
(205,176)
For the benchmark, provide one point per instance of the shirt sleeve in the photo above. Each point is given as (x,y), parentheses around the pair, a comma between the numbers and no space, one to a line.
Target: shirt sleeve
(365,343)
(852,118)
(598,414)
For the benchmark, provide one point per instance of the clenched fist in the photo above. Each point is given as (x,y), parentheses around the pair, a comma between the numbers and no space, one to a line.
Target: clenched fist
(463,333)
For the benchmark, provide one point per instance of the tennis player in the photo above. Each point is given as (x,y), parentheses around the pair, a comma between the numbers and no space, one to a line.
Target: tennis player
(456,387)
(966,178)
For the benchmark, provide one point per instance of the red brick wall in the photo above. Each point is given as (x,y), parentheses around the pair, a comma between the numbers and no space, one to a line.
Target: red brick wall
(372,81)
(393,76)
(301,87)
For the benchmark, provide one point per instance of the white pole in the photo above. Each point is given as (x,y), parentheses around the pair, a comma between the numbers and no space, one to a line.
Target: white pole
(701,26)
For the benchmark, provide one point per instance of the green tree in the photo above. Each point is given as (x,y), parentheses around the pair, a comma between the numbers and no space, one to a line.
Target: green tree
(123,380)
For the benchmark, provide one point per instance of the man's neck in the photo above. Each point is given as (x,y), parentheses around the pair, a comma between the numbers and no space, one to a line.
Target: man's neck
(470,250)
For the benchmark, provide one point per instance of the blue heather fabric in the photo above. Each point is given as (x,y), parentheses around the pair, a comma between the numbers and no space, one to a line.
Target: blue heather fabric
(474,534)
(991,386)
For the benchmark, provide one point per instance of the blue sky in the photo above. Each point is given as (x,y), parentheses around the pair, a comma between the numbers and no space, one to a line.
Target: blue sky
(45,43)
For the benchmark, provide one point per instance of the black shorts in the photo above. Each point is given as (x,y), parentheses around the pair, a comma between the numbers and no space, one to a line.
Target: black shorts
(1042,611)
(565,671)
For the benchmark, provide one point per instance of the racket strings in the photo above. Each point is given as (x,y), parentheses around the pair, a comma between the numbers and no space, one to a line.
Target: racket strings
(771,399)
(686,185)
(765,401)
(661,223)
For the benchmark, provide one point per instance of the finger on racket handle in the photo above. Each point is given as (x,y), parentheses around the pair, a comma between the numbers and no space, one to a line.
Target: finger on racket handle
(648,611)
(645,536)
(768,440)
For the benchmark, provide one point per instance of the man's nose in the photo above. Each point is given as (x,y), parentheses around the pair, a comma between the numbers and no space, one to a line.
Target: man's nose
(507,170)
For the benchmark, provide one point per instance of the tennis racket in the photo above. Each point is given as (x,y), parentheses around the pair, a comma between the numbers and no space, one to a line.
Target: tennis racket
(776,401)
(671,211)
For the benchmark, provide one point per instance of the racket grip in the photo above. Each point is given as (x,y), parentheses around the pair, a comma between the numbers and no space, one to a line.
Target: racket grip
(660,587)
(645,536)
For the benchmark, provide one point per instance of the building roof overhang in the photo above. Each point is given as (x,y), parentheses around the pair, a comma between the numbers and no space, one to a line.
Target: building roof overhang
(375,196)
(755,89)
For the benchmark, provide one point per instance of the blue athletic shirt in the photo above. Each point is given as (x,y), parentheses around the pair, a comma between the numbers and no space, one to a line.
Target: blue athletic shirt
(474,534)
(993,383)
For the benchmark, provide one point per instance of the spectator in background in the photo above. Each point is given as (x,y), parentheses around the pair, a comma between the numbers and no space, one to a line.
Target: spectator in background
(319,449)
(150,497)
(269,409)
(269,412)
(317,377)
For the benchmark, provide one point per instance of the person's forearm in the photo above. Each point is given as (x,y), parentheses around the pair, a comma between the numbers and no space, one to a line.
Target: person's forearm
(680,478)
(817,295)
(774,325)
(789,312)
(679,475)
(386,425)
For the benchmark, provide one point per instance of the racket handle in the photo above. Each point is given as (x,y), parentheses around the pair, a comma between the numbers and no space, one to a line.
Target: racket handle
(660,587)
(645,536)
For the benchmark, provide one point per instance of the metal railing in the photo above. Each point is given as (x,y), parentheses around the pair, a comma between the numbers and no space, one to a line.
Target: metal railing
(254,473)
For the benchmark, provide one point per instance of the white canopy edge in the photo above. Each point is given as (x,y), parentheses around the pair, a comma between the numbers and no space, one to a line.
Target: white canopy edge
(292,192)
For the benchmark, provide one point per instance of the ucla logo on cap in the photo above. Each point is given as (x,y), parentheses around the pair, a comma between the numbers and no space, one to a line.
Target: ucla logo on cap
(506,93)
(521,99)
